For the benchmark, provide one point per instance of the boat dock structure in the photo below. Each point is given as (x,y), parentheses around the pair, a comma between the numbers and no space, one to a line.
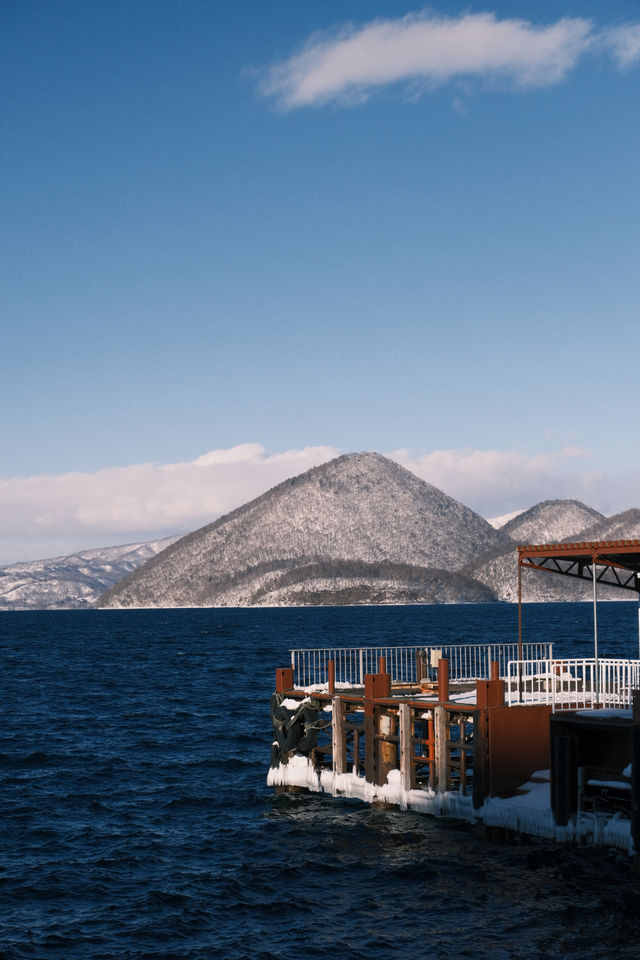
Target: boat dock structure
(512,737)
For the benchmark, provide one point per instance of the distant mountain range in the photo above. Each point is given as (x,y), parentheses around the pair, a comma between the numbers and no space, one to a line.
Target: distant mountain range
(71,583)
(359,529)
(551,521)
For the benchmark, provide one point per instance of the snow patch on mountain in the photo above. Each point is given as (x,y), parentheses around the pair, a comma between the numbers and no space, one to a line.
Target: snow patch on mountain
(498,522)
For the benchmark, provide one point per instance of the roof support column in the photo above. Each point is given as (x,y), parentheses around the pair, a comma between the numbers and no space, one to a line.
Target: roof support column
(595,627)
(520,610)
(520,631)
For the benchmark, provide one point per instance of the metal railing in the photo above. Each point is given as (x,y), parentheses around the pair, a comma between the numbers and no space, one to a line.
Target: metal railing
(617,680)
(467,661)
(310,667)
(472,661)
(572,684)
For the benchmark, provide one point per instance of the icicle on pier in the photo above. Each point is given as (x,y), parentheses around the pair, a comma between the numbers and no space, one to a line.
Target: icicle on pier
(508,736)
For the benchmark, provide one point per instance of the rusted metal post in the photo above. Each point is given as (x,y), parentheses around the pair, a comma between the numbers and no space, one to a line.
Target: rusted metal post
(595,627)
(443,680)
(519,610)
(481,777)
(339,737)
(490,693)
(406,746)
(519,630)
(331,667)
(284,679)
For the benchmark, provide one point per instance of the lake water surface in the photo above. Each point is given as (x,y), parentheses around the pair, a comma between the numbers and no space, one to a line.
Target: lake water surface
(135,820)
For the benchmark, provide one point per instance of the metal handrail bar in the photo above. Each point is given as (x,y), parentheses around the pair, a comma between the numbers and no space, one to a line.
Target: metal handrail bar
(573,682)
(467,661)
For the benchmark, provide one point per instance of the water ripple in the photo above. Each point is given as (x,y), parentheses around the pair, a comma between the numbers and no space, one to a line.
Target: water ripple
(136,822)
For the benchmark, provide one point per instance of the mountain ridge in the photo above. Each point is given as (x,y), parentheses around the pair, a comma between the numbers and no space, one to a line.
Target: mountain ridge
(550,521)
(75,581)
(361,508)
(357,529)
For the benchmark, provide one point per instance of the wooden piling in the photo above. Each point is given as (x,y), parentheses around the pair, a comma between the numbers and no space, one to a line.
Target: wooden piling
(369,735)
(386,749)
(406,746)
(339,736)
(441,751)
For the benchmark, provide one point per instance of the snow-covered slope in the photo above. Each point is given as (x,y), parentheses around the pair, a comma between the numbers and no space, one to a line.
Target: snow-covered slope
(550,521)
(72,582)
(359,529)
(498,522)
(621,526)
(359,509)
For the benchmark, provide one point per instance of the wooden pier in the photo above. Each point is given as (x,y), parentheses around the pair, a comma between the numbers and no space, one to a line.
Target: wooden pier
(503,734)
(456,749)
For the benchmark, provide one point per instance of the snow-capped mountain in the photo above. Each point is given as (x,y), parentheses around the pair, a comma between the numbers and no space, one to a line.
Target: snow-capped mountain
(360,526)
(620,526)
(550,521)
(359,529)
(72,582)
(498,522)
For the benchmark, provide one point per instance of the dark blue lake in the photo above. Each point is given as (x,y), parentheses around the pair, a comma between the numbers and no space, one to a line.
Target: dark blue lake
(135,820)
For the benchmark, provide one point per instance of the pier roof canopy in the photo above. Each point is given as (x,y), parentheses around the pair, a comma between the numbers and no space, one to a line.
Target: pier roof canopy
(617,562)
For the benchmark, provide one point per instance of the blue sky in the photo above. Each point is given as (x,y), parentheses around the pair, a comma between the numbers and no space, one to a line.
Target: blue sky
(213,243)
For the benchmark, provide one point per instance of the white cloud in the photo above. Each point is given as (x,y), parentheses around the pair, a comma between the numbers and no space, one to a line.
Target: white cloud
(623,43)
(422,48)
(48,516)
(494,482)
